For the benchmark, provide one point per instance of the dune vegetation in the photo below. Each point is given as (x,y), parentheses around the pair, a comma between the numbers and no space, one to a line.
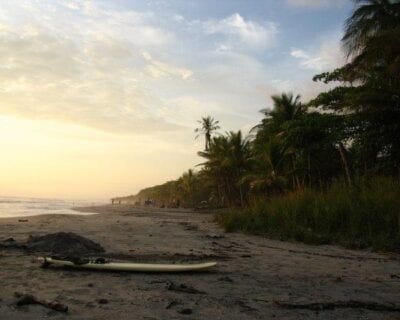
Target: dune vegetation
(362,216)
(324,171)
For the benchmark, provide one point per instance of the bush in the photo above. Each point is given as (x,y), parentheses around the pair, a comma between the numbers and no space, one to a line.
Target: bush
(365,215)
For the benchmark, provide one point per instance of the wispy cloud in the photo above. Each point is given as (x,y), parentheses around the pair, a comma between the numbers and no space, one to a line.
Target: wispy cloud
(125,70)
(247,31)
(315,3)
(158,69)
(117,70)
(91,74)
(308,3)
(327,57)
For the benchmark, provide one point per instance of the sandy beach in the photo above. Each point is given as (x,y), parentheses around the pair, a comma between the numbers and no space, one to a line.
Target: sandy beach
(253,273)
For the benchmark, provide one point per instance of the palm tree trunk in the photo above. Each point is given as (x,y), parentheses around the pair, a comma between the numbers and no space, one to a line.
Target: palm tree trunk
(309,170)
(241,195)
(208,138)
(343,155)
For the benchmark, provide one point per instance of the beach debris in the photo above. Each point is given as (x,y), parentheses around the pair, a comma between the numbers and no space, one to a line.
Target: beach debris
(102,301)
(63,243)
(186,311)
(172,304)
(225,279)
(214,236)
(10,243)
(189,226)
(351,304)
(23,220)
(183,288)
(27,299)
(245,307)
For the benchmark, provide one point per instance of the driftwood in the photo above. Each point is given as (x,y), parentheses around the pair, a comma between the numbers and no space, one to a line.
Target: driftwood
(26,299)
(351,304)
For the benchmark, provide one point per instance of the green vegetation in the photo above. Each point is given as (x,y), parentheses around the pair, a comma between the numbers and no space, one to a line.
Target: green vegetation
(360,216)
(326,171)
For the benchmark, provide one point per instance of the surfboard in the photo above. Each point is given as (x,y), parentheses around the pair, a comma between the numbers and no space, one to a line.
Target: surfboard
(128,266)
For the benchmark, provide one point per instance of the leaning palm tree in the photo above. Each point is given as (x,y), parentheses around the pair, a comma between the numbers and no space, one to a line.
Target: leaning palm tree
(207,126)
(369,40)
(370,18)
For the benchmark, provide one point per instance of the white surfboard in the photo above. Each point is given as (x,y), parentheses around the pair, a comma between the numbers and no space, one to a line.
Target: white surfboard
(128,266)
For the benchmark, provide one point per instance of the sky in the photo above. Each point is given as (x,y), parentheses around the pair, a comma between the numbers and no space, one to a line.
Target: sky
(101,98)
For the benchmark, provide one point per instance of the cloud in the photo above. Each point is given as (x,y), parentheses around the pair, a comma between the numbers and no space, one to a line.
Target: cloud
(327,57)
(95,84)
(248,32)
(315,3)
(158,69)
(308,3)
(80,63)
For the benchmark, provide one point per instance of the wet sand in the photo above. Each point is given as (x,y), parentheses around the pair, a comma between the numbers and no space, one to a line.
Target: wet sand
(252,272)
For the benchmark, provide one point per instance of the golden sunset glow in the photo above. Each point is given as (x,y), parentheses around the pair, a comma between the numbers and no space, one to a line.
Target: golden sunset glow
(44,158)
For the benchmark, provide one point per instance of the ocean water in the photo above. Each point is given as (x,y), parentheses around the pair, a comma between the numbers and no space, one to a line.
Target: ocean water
(24,207)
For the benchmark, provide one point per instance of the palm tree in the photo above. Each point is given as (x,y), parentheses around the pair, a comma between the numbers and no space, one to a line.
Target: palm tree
(228,159)
(286,107)
(269,162)
(207,126)
(370,18)
(271,149)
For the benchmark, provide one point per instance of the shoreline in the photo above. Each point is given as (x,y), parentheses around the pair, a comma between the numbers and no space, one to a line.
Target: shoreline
(252,271)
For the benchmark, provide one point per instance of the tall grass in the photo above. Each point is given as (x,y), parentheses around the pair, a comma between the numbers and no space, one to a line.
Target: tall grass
(365,215)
